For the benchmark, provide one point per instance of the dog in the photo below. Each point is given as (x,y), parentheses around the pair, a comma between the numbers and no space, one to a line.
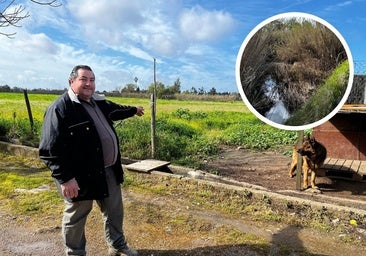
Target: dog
(313,156)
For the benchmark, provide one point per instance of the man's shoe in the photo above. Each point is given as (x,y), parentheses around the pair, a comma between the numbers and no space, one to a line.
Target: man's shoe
(126,251)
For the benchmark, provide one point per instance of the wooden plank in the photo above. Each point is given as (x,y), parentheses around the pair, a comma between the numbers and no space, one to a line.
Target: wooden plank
(329,163)
(339,164)
(355,167)
(346,165)
(362,169)
(353,108)
(345,169)
(147,165)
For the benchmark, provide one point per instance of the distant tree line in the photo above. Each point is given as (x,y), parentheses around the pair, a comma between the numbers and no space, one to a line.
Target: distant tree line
(7,88)
(164,91)
(133,90)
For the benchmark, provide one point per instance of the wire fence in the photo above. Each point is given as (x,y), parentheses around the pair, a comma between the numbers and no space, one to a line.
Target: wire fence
(357,95)
(360,67)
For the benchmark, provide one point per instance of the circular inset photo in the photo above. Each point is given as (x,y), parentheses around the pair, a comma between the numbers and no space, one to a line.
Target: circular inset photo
(294,71)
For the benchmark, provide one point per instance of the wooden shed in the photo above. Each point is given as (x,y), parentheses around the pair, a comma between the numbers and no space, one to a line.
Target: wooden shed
(344,136)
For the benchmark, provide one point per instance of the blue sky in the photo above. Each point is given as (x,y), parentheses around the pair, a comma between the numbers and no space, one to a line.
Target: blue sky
(195,41)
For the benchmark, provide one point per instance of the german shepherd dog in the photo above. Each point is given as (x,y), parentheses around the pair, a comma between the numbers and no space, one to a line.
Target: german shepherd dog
(313,155)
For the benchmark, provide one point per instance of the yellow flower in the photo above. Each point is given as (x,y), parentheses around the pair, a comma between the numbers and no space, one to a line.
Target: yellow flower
(353,222)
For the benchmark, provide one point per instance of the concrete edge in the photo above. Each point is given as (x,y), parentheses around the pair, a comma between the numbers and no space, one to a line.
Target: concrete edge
(214,180)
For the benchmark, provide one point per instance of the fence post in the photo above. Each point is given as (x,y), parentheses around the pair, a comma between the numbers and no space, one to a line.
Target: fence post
(153,113)
(300,140)
(30,116)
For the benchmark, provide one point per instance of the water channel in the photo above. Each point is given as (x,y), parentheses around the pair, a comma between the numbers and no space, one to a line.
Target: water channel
(278,113)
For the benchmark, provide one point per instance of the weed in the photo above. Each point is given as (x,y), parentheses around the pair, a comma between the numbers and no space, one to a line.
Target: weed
(187,132)
(15,182)
(325,99)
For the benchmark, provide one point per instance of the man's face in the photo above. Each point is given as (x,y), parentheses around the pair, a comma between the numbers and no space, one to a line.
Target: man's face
(84,84)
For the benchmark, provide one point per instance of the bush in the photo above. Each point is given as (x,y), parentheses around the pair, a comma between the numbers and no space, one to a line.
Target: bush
(5,126)
(187,137)
(258,137)
(134,137)
(20,131)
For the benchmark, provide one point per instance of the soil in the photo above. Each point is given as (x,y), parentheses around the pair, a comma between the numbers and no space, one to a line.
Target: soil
(270,171)
(40,235)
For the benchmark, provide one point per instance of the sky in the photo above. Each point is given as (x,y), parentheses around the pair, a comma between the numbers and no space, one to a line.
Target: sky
(195,41)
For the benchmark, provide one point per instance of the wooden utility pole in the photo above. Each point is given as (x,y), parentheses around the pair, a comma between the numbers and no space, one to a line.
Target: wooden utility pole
(30,116)
(300,140)
(153,114)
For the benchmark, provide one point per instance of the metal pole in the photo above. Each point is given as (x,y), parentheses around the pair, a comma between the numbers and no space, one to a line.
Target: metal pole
(153,114)
(300,140)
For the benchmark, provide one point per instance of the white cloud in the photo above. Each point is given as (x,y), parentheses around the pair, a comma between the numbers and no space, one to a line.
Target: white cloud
(118,39)
(198,24)
(338,6)
(139,53)
(36,44)
(107,22)
(164,29)
(344,3)
(107,13)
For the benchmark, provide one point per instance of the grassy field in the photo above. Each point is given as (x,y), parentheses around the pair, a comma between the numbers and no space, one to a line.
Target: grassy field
(14,102)
(187,132)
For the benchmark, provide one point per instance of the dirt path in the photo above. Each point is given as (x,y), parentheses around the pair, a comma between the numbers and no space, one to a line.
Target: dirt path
(30,237)
(172,225)
(41,237)
(270,170)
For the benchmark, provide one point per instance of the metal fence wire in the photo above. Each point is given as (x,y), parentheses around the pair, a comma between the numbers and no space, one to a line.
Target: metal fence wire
(357,94)
(360,67)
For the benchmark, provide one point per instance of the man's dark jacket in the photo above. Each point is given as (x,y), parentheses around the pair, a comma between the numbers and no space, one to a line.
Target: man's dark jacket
(71,148)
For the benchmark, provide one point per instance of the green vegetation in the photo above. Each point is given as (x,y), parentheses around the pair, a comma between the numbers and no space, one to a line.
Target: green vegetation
(19,178)
(296,55)
(188,132)
(326,98)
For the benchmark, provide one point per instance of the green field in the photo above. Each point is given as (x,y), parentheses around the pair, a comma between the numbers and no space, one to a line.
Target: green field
(187,131)
(14,102)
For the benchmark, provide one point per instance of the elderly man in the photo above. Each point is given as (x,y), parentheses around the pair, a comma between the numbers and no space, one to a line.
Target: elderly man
(80,147)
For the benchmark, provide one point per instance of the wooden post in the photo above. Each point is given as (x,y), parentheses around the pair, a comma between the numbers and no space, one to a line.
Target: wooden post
(153,114)
(29,110)
(300,140)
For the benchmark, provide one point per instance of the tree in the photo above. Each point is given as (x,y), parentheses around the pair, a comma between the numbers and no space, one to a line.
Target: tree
(176,87)
(160,89)
(5,88)
(212,91)
(193,90)
(12,14)
(201,91)
(131,88)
